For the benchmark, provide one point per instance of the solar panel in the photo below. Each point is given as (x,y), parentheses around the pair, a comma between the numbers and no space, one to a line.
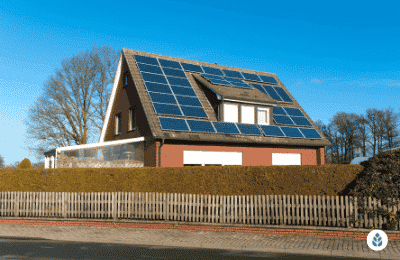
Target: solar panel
(174,72)
(154,78)
(167,109)
(301,121)
(200,126)
(283,120)
(170,64)
(268,79)
(158,87)
(278,111)
(149,68)
(248,129)
(272,93)
(292,132)
(146,60)
(250,76)
(192,67)
(226,128)
(283,94)
(233,74)
(183,91)
(216,80)
(175,124)
(270,130)
(178,81)
(194,111)
(212,71)
(310,133)
(162,98)
(293,111)
(189,101)
(237,83)
(260,88)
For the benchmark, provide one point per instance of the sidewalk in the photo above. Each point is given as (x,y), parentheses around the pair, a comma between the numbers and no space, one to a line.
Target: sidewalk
(325,241)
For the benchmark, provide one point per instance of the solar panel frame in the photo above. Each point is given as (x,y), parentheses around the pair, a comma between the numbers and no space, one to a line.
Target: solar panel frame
(237,83)
(310,133)
(167,109)
(278,111)
(156,78)
(183,91)
(192,67)
(283,120)
(162,98)
(212,71)
(178,81)
(173,124)
(292,132)
(271,130)
(272,93)
(189,101)
(158,87)
(190,111)
(150,68)
(249,129)
(146,60)
(226,128)
(174,72)
(292,111)
(233,74)
(250,76)
(268,79)
(200,126)
(170,64)
(301,121)
(282,93)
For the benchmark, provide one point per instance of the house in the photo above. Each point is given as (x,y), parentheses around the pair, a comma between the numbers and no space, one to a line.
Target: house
(188,112)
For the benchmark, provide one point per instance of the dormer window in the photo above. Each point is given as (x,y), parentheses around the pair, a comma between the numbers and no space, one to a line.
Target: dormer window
(231,113)
(263,116)
(247,114)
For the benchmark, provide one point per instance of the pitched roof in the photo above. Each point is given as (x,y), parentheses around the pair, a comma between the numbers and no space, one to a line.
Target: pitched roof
(173,94)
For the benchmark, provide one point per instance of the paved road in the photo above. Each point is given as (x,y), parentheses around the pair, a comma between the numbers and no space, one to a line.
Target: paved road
(15,248)
(268,242)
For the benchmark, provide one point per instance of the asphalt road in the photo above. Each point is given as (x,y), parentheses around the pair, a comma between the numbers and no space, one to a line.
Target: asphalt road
(28,248)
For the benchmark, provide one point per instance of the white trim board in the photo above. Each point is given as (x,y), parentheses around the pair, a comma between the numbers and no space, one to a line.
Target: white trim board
(111,100)
(83,146)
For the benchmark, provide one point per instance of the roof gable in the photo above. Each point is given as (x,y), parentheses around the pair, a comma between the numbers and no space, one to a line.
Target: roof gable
(172,92)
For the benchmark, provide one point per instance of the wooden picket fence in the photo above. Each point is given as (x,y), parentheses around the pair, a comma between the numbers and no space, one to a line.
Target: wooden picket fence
(247,209)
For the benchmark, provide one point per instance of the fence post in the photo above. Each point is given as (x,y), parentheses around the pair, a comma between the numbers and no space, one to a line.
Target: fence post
(114,206)
(16,206)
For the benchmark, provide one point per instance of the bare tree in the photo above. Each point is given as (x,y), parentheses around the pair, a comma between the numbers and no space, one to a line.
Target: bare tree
(363,134)
(74,101)
(389,124)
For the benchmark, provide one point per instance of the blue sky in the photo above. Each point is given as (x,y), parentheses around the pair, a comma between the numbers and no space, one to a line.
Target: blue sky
(334,57)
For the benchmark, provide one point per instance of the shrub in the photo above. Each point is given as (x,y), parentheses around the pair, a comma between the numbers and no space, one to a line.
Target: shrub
(380,179)
(25,164)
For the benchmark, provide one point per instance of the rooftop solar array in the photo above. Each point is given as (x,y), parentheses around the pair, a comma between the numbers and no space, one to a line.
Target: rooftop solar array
(189,125)
(275,92)
(290,116)
(169,90)
(226,81)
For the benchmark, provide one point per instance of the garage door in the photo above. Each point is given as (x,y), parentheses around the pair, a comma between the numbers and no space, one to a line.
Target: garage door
(212,158)
(286,159)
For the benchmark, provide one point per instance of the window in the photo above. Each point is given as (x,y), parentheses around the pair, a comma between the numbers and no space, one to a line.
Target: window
(212,158)
(286,159)
(263,116)
(231,113)
(126,80)
(118,124)
(132,120)
(247,114)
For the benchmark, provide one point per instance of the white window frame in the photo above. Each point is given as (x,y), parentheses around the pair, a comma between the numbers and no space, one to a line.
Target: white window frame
(247,114)
(262,109)
(118,123)
(231,113)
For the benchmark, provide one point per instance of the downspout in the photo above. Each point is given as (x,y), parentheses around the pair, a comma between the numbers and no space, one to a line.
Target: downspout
(159,152)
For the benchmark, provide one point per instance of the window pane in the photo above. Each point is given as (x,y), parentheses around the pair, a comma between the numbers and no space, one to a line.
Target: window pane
(263,117)
(231,113)
(248,114)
